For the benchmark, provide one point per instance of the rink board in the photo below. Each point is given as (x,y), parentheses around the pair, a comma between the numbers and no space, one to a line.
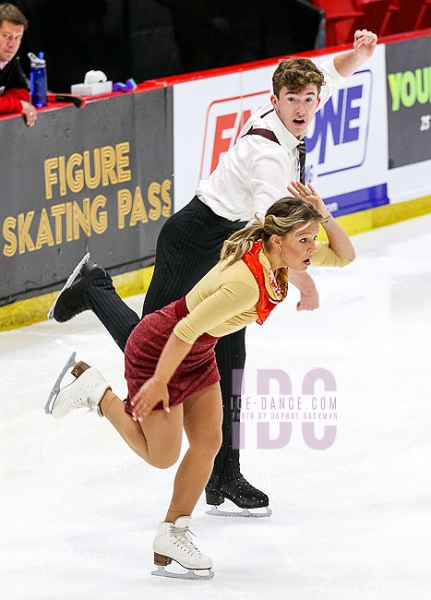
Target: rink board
(368,154)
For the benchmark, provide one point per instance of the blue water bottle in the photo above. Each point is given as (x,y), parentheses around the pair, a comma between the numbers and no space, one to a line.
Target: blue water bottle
(38,79)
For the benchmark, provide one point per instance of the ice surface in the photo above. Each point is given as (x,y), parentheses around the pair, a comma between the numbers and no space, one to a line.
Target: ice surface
(78,510)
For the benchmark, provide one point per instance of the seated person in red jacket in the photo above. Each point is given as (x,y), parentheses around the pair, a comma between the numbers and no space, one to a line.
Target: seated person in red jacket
(14,87)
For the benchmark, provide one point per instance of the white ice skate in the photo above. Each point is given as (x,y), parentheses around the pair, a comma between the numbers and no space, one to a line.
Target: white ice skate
(69,282)
(86,391)
(173,543)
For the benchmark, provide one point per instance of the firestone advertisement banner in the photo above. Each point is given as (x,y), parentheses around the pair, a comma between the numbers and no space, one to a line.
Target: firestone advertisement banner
(346,160)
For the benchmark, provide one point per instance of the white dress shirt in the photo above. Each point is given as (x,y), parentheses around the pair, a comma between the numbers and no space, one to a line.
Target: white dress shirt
(255,172)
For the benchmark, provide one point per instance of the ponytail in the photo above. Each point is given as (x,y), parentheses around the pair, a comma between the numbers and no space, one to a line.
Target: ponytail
(282,217)
(242,241)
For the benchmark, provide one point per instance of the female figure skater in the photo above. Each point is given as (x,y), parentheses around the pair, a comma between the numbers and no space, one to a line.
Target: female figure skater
(170,366)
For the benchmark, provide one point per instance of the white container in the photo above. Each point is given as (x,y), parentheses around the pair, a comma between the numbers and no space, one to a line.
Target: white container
(91,89)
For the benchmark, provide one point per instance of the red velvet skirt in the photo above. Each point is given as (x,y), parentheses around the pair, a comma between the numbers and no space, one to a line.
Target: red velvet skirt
(145,344)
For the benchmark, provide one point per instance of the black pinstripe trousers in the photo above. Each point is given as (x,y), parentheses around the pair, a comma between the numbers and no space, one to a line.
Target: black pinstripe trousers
(188,246)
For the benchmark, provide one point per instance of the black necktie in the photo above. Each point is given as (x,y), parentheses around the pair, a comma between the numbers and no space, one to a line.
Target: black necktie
(301,155)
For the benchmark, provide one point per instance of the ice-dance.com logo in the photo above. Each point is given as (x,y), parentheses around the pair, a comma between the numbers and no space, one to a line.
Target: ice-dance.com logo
(272,417)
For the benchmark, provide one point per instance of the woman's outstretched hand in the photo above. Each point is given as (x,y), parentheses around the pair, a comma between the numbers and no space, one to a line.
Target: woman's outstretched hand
(307,193)
(338,239)
(151,393)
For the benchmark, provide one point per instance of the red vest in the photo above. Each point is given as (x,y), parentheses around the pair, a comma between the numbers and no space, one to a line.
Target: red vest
(265,304)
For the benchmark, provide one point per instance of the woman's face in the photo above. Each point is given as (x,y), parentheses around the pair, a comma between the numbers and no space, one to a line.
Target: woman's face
(297,247)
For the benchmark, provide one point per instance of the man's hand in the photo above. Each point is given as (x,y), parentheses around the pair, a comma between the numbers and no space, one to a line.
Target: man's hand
(29,112)
(309,300)
(364,43)
(305,284)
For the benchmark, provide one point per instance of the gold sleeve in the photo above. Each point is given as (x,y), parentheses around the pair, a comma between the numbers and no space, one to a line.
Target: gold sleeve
(326,257)
(226,309)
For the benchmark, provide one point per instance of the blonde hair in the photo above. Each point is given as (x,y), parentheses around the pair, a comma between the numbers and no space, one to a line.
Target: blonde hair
(281,218)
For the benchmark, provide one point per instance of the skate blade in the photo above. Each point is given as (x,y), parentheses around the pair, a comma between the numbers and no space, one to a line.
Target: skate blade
(189,574)
(69,282)
(70,363)
(255,513)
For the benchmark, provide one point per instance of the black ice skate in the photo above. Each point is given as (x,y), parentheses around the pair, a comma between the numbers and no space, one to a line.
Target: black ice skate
(71,301)
(240,492)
